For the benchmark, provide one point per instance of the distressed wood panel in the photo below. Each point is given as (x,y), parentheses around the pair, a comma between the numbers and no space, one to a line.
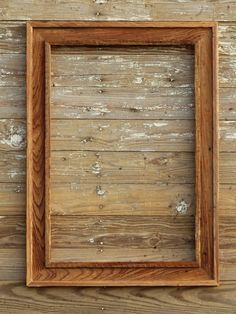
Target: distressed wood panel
(12,259)
(225,10)
(122,199)
(12,134)
(123,135)
(227,103)
(12,165)
(12,232)
(12,102)
(228,136)
(101,61)
(227,169)
(122,167)
(109,10)
(122,238)
(12,196)
(227,199)
(227,39)
(12,264)
(12,37)
(12,70)
(14,298)
(124,103)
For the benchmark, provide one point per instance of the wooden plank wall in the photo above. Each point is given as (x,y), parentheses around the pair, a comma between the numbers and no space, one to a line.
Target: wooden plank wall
(14,296)
(117,136)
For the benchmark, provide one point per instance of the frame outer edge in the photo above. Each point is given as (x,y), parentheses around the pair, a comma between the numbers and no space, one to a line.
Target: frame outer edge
(29,65)
(213,281)
(216,148)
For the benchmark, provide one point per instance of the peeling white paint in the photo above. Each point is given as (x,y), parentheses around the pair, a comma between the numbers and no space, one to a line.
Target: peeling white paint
(155,124)
(96,168)
(230,136)
(15,136)
(12,174)
(101,1)
(138,80)
(100,191)
(182,207)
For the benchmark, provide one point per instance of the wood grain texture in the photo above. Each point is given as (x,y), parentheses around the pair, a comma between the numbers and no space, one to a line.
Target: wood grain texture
(14,297)
(12,197)
(107,10)
(122,135)
(12,102)
(12,239)
(121,199)
(12,164)
(122,238)
(185,34)
(12,134)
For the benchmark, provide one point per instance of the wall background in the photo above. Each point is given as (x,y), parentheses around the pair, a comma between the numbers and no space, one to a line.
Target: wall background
(14,296)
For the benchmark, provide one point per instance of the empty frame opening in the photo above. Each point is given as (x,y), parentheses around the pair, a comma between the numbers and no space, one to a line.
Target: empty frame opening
(122,155)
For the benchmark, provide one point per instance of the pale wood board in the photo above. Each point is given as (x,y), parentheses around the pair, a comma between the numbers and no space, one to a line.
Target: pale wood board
(121,199)
(15,298)
(122,238)
(122,167)
(122,135)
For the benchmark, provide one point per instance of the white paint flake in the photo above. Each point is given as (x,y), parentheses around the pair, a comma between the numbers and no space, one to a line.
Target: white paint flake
(96,168)
(14,136)
(182,207)
(138,80)
(100,191)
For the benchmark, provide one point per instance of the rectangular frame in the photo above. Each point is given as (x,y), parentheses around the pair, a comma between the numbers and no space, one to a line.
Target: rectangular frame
(40,37)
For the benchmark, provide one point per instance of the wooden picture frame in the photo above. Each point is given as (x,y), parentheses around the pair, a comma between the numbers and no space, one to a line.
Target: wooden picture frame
(40,37)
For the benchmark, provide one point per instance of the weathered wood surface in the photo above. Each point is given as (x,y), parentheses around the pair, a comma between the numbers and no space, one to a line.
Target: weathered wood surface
(12,102)
(12,264)
(122,135)
(12,134)
(122,238)
(14,296)
(12,259)
(12,166)
(12,230)
(121,199)
(12,196)
(111,10)
(122,167)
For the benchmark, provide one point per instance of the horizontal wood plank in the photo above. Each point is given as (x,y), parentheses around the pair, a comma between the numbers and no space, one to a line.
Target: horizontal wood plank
(122,199)
(12,165)
(12,70)
(106,10)
(123,135)
(227,168)
(12,102)
(12,264)
(12,37)
(14,298)
(122,238)
(121,167)
(12,232)
(12,196)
